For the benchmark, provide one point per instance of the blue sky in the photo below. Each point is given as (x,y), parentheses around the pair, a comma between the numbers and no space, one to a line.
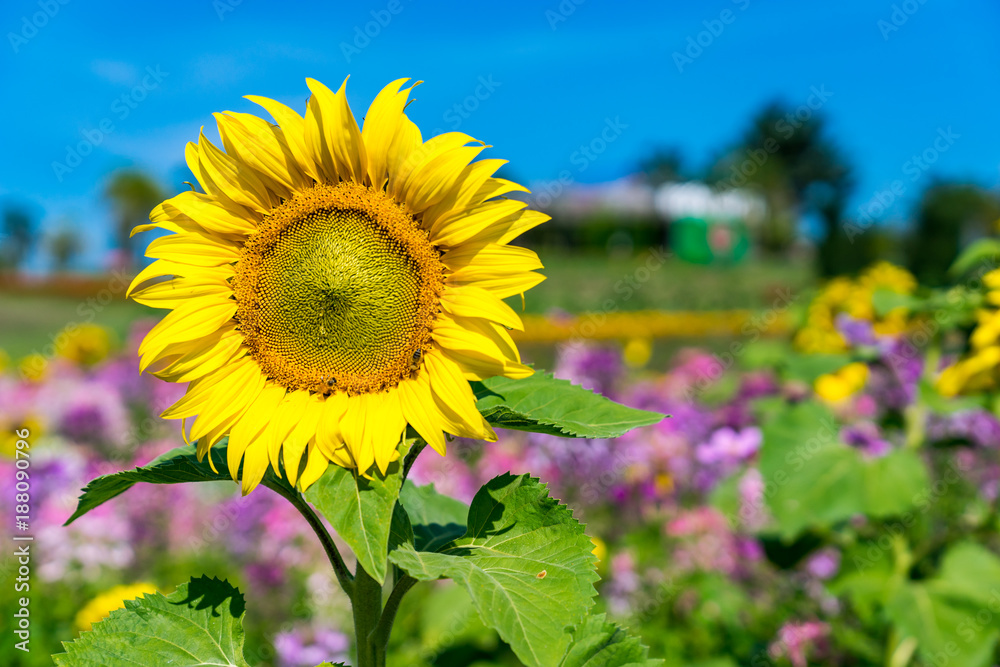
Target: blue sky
(550,77)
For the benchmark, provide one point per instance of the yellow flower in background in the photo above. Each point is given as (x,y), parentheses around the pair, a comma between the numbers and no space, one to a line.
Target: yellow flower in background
(819,335)
(114,598)
(33,367)
(601,551)
(334,284)
(85,344)
(4,360)
(846,382)
(980,369)
(637,352)
(9,437)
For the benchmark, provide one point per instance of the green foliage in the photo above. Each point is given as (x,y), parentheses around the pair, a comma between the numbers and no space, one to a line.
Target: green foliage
(201,623)
(543,404)
(361,510)
(817,481)
(981,252)
(598,643)
(436,519)
(174,467)
(955,617)
(524,560)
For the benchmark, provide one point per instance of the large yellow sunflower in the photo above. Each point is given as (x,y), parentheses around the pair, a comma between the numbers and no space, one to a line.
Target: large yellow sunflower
(334,284)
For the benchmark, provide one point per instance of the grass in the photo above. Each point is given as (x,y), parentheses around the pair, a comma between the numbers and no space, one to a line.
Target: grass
(643,281)
(31,322)
(576,283)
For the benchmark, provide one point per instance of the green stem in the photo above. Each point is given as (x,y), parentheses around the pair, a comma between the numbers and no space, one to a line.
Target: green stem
(344,575)
(367,611)
(411,458)
(384,628)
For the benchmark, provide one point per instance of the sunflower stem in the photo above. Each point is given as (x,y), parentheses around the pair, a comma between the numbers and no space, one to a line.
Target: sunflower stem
(411,458)
(344,575)
(367,605)
(384,628)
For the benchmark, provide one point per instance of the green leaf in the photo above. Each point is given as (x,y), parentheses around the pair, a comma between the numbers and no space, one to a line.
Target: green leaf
(526,563)
(201,623)
(436,518)
(598,643)
(886,300)
(954,615)
(177,466)
(808,367)
(361,510)
(893,482)
(983,252)
(544,404)
(817,481)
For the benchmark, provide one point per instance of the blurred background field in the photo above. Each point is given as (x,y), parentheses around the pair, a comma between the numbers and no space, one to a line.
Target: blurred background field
(776,223)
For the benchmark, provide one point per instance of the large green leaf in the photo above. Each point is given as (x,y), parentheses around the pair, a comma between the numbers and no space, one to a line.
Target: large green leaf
(177,466)
(201,623)
(361,509)
(526,563)
(598,643)
(544,404)
(436,518)
(955,616)
(814,480)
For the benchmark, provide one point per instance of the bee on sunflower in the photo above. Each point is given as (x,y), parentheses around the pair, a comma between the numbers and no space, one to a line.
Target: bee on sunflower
(333,284)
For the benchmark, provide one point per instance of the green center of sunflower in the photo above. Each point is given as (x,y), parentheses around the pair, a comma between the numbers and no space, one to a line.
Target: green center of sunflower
(337,291)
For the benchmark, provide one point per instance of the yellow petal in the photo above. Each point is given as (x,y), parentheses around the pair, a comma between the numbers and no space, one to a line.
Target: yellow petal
(417,404)
(461,228)
(294,128)
(455,400)
(262,147)
(380,126)
(227,178)
(332,134)
(172,293)
(316,465)
(471,301)
(193,249)
(407,173)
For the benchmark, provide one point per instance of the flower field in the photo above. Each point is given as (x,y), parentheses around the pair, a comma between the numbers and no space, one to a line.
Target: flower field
(822,494)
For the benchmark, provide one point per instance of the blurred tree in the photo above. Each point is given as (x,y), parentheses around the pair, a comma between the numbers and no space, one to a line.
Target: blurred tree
(63,245)
(789,157)
(19,235)
(133,194)
(948,217)
(664,165)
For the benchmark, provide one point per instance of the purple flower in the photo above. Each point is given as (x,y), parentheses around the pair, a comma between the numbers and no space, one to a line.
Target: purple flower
(866,437)
(795,640)
(727,447)
(977,427)
(308,646)
(824,564)
(596,368)
(855,331)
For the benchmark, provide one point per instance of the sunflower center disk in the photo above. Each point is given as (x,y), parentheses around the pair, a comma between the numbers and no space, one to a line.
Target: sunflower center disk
(337,291)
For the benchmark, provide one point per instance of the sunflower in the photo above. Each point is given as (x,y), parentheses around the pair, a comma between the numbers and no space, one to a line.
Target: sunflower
(333,285)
